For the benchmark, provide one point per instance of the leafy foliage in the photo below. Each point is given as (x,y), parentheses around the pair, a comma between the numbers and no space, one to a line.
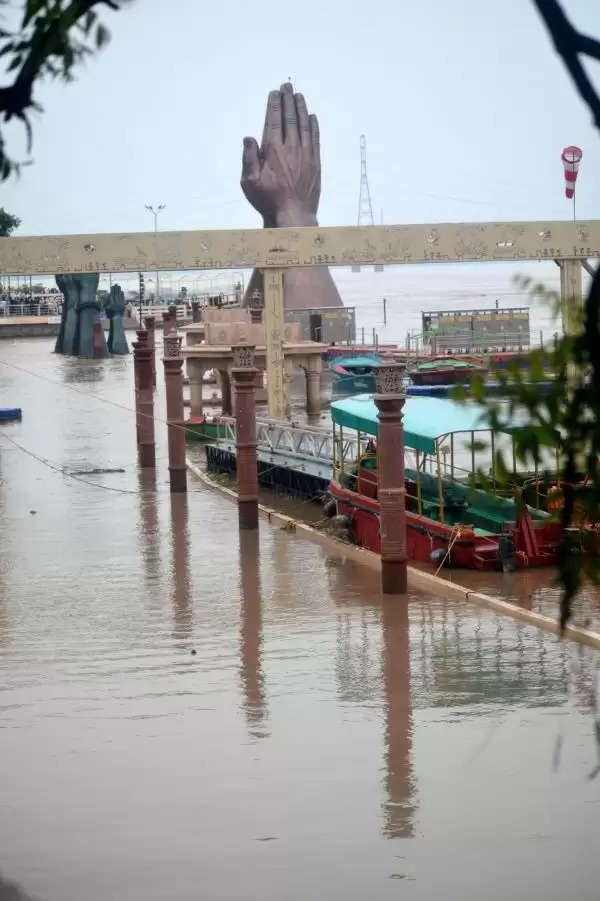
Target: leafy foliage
(561,435)
(564,419)
(8,223)
(53,37)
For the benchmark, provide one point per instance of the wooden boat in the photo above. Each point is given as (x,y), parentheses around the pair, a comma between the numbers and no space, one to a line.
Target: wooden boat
(354,374)
(446,518)
(446,371)
(199,428)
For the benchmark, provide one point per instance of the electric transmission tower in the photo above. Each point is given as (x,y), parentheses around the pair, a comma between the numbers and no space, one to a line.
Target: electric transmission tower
(365,207)
(365,210)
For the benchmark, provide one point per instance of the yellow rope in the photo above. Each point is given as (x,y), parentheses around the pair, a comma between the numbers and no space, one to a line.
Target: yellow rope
(451,544)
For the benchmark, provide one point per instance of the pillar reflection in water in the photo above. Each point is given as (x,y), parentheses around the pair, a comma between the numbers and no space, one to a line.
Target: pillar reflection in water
(251,676)
(401,803)
(180,566)
(359,679)
(149,532)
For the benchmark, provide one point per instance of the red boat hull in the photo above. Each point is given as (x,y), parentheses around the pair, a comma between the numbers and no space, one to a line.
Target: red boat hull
(450,376)
(424,535)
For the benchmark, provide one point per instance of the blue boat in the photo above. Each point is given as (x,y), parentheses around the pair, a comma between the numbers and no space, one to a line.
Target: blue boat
(10,414)
(353,374)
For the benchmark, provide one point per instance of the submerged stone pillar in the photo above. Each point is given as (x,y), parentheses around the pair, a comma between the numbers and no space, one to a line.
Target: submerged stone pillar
(142,336)
(167,322)
(226,405)
(389,398)
(313,386)
(244,379)
(150,324)
(173,363)
(196,312)
(195,372)
(145,400)
(256,303)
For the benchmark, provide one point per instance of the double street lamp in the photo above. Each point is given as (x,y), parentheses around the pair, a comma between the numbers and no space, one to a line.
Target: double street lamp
(155,213)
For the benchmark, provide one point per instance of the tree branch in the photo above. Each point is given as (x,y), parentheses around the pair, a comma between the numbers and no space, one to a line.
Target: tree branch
(569,43)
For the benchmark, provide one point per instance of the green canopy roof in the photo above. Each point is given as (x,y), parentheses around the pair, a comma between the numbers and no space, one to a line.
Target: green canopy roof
(425,418)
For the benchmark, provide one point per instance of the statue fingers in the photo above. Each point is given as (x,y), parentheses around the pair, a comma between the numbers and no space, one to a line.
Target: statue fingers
(303,120)
(272,133)
(314,135)
(250,160)
(291,134)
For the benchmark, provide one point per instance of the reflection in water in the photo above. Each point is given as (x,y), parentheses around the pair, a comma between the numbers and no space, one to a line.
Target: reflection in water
(180,566)
(76,370)
(399,809)
(149,536)
(251,675)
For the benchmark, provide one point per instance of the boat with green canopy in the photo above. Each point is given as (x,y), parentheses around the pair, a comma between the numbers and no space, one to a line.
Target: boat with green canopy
(447,518)
(353,374)
(447,371)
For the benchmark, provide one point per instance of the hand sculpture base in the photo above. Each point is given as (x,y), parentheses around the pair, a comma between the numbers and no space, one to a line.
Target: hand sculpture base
(115,308)
(81,318)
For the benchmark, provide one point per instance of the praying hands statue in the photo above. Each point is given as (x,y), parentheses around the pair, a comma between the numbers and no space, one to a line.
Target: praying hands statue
(282,181)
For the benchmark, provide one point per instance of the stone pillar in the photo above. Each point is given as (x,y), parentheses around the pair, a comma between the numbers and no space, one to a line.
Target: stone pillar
(196,311)
(142,336)
(226,407)
(150,324)
(173,363)
(145,404)
(98,340)
(313,386)
(389,398)
(571,295)
(195,373)
(244,378)
(274,325)
(256,304)
(166,322)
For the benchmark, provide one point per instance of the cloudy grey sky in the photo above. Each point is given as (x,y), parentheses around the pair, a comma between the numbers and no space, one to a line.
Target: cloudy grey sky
(465,106)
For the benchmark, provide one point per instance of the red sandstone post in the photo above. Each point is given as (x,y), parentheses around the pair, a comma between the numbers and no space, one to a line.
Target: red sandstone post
(173,362)
(389,399)
(142,356)
(150,323)
(196,313)
(244,380)
(142,336)
(256,304)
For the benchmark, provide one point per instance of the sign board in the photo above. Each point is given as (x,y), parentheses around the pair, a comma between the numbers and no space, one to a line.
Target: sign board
(476,331)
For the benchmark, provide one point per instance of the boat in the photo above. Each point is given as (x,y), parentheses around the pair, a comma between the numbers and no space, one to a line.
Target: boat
(10,414)
(446,371)
(447,519)
(200,428)
(353,374)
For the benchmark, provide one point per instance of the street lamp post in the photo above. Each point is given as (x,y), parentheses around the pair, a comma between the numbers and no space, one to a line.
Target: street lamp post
(155,213)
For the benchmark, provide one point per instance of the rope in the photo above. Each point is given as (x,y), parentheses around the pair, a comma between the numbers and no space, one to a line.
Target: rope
(451,544)
(63,471)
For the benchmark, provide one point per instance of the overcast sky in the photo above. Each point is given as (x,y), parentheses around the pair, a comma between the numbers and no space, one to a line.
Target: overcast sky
(464,104)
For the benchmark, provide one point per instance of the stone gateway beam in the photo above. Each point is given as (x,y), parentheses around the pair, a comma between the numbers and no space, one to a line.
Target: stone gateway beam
(278,248)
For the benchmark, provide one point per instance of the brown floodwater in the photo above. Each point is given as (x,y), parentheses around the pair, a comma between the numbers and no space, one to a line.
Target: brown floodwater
(321,742)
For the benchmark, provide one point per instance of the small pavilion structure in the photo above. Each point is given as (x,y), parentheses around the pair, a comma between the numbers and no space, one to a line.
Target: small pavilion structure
(208,346)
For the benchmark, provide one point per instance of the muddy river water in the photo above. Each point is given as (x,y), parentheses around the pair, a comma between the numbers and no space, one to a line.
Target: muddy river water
(187,714)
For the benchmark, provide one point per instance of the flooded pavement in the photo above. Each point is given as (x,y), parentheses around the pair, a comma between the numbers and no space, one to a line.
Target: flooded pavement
(188,715)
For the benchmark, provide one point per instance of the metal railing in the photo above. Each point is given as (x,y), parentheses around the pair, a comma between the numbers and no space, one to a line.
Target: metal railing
(300,442)
(30,308)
